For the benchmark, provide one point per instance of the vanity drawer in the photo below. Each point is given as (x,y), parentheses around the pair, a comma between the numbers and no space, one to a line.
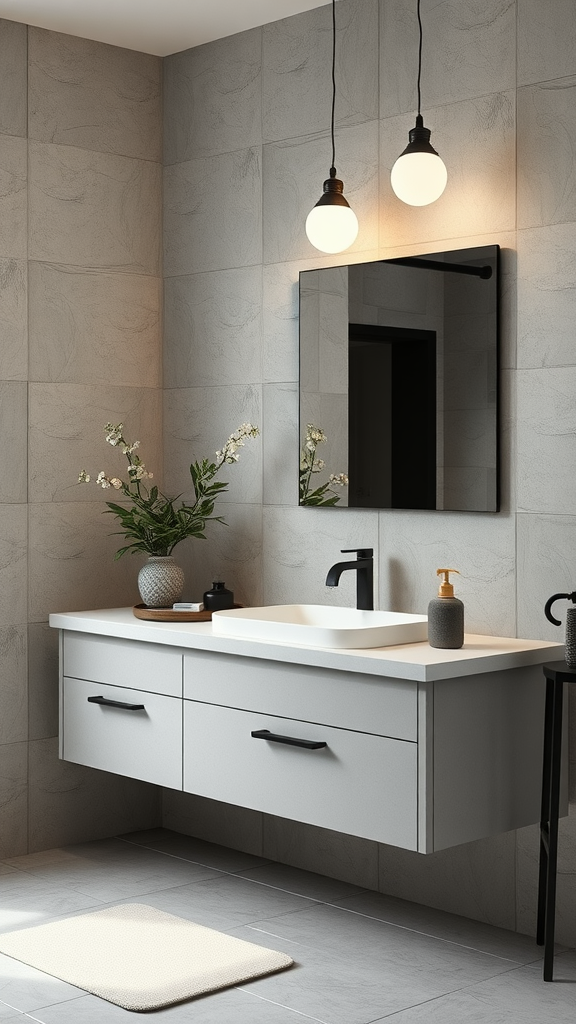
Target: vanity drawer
(143,744)
(360,784)
(110,659)
(347,700)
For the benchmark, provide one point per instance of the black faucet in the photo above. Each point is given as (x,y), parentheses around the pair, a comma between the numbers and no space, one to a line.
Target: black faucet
(364,568)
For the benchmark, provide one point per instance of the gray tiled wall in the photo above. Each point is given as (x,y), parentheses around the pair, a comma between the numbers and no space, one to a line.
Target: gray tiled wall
(80,308)
(248,138)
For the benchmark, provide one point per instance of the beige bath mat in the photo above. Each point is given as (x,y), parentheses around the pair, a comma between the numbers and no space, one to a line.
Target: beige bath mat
(138,957)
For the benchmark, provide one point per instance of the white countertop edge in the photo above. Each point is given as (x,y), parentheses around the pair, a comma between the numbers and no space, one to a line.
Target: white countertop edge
(418,661)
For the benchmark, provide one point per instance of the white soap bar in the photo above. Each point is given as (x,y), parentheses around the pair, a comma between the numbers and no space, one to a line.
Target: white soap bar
(188,606)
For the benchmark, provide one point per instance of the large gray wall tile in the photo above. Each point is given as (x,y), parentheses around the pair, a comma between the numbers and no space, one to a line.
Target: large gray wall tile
(236,827)
(72,567)
(297,60)
(88,94)
(73,804)
(280,444)
(13,799)
(66,431)
(86,209)
(546,168)
(546,566)
(546,295)
(545,444)
(217,199)
(13,452)
(197,423)
(13,45)
(42,681)
(480,194)
(527,880)
(212,325)
(14,689)
(13,197)
(294,172)
(232,552)
(475,879)
(300,545)
(94,327)
(280,322)
(413,545)
(212,97)
(546,40)
(13,564)
(322,851)
(468,51)
(13,310)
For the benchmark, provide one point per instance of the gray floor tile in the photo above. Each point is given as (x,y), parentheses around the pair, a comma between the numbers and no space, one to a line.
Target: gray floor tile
(27,989)
(373,968)
(8,1014)
(197,850)
(473,934)
(110,869)
(303,883)
(226,902)
(224,1007)
(26,909)
(518,997)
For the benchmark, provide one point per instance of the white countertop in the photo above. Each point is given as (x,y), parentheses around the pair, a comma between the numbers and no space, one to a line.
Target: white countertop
(418,661)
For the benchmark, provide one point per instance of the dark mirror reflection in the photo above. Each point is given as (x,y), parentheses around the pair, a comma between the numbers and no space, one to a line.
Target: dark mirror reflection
(399,383)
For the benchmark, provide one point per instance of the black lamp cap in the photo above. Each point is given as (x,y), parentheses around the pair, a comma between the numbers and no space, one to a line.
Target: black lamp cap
(332,191)
(419,139)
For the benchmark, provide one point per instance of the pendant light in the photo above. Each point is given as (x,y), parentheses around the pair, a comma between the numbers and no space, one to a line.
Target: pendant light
(419,176)
(331,225)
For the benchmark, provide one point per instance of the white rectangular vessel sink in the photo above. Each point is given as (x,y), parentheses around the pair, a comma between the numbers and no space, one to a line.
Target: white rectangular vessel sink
(317,625)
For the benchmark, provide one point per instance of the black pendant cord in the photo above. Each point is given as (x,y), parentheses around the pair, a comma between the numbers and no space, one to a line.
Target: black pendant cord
(333,168)
(419,57)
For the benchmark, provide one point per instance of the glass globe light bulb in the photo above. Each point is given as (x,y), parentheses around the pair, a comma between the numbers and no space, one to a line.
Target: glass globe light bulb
(331,225)
(419,175)
(331,228)
(419,178)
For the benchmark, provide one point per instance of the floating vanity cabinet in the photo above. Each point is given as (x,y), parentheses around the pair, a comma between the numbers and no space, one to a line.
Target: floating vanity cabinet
(414,747)
(342,752)
(121,707)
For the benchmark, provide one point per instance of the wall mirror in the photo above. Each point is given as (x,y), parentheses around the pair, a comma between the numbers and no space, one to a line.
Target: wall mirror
(399,373)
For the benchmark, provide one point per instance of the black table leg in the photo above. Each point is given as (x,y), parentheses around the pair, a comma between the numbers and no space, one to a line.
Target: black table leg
(551,772)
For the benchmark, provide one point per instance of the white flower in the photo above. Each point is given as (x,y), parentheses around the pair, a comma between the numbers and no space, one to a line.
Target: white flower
(84,477)
(127,449)
(340,479)
(318,465)
(139,472)
(114,433)
(102,480)
(116,483)
(315,434)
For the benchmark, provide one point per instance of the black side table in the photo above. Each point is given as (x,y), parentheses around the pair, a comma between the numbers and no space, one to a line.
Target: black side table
(556,674)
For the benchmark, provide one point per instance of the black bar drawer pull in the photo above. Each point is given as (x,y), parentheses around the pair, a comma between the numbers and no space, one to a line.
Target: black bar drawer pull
(116,704)
(265,734)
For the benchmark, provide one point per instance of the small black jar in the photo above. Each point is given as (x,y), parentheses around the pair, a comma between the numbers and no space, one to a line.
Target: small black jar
(218,598)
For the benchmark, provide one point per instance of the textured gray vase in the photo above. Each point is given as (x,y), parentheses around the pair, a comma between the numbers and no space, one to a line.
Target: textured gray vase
(160,581)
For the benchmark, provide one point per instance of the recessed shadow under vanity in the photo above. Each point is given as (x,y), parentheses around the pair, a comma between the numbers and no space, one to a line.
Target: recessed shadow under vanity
(399,368)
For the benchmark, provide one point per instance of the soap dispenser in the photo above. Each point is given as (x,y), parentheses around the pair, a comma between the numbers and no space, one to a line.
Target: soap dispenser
(446,616)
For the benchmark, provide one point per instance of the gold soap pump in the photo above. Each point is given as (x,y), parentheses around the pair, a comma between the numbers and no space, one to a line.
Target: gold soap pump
(446,615)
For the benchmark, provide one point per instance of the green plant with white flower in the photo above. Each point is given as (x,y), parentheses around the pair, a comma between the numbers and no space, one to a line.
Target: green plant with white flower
(324,494)
(152,522)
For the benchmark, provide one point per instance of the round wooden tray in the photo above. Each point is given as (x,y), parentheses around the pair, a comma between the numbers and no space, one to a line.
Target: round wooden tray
(141,611)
